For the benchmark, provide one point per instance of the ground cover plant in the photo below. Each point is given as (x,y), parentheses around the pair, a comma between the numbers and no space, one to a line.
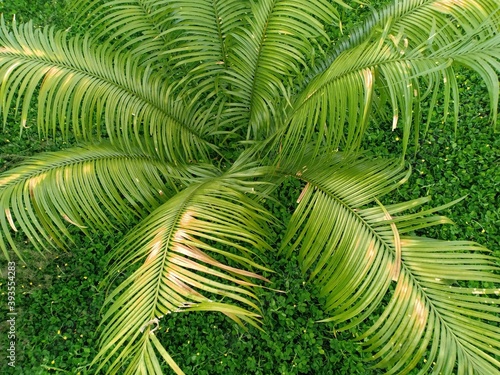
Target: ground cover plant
(195,134)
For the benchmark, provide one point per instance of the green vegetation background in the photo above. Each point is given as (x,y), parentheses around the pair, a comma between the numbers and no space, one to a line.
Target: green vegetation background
(59,303)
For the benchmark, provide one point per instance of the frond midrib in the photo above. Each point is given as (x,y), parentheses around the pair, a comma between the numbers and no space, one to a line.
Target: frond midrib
(362,67)
(360,38)
(404,267)
(431,305)
(256,67)
(115,84)
(160,34)
(164,265)
(180,209)
(219,32)
(78,159)
(344,204)
(147,16)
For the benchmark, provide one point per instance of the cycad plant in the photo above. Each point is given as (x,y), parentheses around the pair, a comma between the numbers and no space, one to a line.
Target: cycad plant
(187,115)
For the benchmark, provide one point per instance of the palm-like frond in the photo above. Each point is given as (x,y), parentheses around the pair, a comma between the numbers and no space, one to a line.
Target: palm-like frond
(170,35)
(335,237)
(139,26)
(96,186)
(416,17)
(402,54)
(266,53)
(430,316)
(202,28)
(175,271)
(82,86)
(354,252)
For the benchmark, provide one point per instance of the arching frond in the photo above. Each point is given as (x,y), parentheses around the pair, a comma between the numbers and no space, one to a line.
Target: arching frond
(354,249)
(173,270)
(81,86)
(333,236)
(139,26)
(404,54)
(273,47)
(435,320)
(414,16)
(202,28)
(94,186)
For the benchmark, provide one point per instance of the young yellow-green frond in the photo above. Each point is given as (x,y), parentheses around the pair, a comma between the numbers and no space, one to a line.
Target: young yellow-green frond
(93,187)
(402,55)
(174,271)
(91,91)
(354,252)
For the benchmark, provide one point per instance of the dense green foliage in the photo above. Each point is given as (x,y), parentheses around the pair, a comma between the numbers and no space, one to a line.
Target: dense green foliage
(64,286)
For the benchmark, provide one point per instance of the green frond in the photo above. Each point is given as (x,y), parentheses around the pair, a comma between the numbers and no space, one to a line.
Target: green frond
(173,271)
(83,86)
(202,28)
(146,362)
(273,47)
(354,249)
(139,26)
(431,316)
(95,187)
(331,233)
(402,55)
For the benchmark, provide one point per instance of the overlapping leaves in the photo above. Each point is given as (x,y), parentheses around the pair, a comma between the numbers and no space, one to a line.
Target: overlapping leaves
(270,49)
(94,187)
(92,91)
(402,55)
(174,271)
